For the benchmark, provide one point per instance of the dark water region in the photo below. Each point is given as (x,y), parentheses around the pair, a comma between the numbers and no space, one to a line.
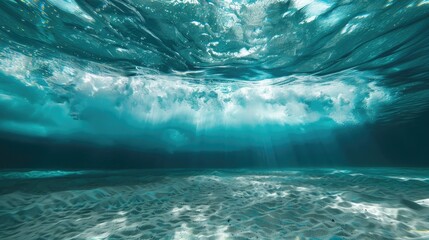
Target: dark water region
(371,145)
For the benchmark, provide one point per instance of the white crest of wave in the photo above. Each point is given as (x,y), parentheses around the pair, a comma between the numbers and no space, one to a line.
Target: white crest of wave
(89,100)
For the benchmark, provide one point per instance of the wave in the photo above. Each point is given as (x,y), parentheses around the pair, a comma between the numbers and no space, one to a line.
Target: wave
(228,39)
(176,70)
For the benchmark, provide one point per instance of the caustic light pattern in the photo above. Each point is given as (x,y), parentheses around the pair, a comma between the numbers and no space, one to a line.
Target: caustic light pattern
(235,204)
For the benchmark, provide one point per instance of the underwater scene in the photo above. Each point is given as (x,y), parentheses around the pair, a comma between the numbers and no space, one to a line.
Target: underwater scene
(214,119)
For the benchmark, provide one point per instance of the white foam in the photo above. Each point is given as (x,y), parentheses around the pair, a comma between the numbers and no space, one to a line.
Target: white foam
(71,7)
(159,101)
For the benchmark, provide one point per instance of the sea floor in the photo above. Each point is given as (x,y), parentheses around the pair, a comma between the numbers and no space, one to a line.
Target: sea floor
(380,203)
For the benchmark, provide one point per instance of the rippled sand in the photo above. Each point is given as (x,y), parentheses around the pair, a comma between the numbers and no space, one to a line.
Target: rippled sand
(236,204)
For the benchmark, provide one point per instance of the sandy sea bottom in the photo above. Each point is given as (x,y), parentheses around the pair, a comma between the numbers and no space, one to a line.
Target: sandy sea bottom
(216,204)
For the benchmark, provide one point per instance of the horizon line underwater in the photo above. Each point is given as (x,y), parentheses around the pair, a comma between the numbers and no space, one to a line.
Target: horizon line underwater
(209,119)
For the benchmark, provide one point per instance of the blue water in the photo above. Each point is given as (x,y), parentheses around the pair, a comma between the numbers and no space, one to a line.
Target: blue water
(114,113)
(208,75)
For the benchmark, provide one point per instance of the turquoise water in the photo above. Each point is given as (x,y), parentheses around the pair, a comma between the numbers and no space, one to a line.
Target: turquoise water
(377,203)
(209,75)
(95,93)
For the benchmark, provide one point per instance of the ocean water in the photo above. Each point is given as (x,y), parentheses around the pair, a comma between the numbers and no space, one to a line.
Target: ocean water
(209,75)
(115,113)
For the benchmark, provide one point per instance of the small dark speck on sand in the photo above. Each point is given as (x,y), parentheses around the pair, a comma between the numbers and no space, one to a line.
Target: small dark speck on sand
(332,220)
(229,219)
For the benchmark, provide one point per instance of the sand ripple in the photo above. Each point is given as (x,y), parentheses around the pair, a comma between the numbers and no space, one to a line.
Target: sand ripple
(239,204)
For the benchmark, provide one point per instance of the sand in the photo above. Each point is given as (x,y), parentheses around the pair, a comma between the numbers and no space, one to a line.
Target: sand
(216,204)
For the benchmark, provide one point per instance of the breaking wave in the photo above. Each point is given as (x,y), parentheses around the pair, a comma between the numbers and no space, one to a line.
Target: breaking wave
(175,72)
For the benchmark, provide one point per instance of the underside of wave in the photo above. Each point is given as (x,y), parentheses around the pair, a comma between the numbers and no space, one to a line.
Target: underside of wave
(62,99)
(190,75)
